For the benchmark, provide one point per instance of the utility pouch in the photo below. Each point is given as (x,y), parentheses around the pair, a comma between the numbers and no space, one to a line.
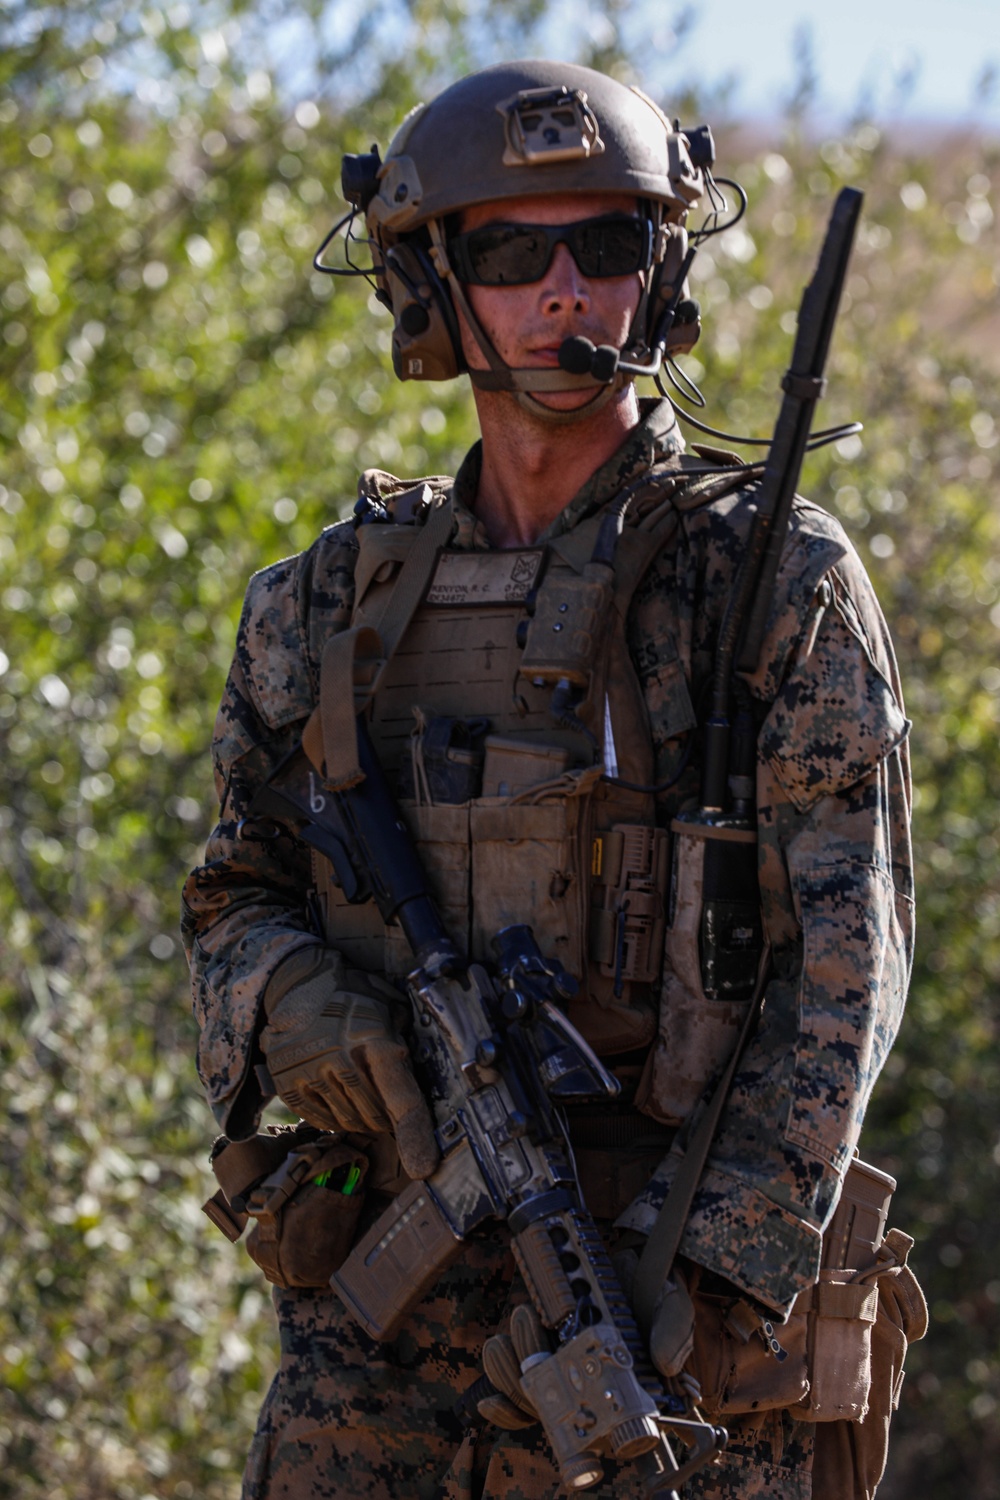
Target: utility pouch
(838,1358)
(743,1362)
(714,948)
(303,1189)
(628,883)
(445,764)
(513,765)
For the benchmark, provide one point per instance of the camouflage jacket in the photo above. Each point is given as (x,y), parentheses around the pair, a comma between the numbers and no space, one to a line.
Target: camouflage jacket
(833,820)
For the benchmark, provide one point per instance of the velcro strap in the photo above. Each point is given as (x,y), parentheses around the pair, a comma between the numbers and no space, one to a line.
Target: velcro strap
(835,1299)
(351,658)
(414,579)
(242,1163)
(898,1244)
(807,387)
(270,1196)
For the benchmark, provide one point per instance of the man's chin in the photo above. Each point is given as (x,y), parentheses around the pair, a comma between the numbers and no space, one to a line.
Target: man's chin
(568,401)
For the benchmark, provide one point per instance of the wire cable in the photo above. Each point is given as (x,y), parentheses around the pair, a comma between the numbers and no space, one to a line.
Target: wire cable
(350,239)
(720,205)
(819,439)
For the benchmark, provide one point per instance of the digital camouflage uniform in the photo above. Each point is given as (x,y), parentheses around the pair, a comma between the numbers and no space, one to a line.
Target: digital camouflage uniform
(348,1417)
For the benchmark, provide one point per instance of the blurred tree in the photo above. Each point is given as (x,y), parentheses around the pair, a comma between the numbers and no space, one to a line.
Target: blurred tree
(183,401)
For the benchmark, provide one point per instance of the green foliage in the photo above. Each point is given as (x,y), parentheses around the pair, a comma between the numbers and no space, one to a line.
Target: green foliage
(184,401)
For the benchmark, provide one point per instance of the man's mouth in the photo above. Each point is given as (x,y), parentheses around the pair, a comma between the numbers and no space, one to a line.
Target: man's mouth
(548,354)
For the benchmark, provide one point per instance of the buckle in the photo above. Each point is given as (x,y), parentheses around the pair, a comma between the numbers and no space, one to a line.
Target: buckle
(548,125)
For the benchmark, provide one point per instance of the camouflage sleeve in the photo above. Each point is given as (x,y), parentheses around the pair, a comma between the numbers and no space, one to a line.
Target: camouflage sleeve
(245,910)
(836,888)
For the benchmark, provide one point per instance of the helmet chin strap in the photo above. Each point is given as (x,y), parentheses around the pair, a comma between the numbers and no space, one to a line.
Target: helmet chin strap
(524,383)
(556,415)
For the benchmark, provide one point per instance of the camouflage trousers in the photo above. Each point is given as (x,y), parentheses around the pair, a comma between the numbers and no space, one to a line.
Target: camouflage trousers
(347,1418)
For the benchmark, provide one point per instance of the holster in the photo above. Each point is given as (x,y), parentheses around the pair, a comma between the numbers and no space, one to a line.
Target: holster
(303,1190)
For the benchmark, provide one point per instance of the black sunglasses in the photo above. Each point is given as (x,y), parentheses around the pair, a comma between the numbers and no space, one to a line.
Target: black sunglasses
(515,254)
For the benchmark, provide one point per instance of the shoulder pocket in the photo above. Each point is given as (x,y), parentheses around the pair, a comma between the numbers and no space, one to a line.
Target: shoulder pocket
(271,646)
(835,718)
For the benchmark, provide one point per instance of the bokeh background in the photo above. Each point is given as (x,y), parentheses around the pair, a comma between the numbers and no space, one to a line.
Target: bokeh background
(182,401)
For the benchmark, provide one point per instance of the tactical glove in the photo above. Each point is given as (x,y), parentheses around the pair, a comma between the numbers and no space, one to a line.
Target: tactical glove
(334,1051)
(671,1338)
(503,1355)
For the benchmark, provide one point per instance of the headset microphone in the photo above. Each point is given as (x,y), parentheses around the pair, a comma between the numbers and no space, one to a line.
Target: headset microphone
(602,362)
(578,356)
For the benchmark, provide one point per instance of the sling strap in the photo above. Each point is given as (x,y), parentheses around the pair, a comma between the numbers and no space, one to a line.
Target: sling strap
(660,1250)
(355,659)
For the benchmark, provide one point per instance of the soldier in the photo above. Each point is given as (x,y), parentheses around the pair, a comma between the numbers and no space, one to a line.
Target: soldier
(529,205)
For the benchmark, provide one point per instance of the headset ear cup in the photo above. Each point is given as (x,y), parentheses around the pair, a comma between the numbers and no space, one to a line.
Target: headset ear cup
(425,338)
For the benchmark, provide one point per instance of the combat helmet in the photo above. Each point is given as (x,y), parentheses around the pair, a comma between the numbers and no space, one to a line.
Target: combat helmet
(530,128)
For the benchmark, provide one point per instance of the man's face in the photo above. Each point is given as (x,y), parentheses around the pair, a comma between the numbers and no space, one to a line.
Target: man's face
(527,324)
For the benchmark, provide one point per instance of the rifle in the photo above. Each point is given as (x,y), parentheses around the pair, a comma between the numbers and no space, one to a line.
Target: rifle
(498,1059)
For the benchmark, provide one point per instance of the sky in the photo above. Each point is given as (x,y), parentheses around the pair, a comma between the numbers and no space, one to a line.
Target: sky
(918,60)
(860,48)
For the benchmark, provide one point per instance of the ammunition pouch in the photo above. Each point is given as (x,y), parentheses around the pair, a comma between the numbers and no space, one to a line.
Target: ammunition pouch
(838,1359)
(303,1190)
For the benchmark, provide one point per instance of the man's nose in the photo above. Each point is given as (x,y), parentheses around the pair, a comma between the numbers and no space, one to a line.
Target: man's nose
(564,285)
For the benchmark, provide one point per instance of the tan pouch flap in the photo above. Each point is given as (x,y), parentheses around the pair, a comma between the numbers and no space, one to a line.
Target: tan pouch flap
(839,1300)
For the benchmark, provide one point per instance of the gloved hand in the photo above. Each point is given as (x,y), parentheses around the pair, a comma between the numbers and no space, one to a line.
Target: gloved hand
(503,1353)
(671,1338)
(672,1342)
(334,1051)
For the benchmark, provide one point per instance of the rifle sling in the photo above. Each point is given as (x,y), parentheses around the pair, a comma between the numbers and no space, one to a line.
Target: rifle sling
(660,1250)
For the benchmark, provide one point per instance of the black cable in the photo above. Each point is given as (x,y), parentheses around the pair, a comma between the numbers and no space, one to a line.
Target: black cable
(711,225)
(349,239)
(819,439)
(660,786)
(683,384)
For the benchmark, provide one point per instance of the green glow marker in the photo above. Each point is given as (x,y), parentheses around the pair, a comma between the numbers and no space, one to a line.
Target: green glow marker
(350,1182)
